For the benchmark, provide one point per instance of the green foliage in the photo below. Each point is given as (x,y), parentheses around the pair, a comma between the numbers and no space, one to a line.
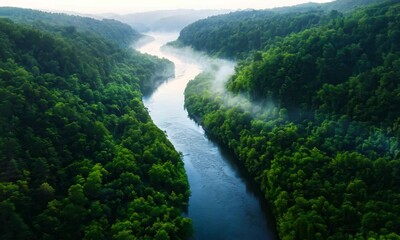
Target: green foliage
(235,34)
(348,5)
(326,154)
(348,62)
(80,157)
(109,29)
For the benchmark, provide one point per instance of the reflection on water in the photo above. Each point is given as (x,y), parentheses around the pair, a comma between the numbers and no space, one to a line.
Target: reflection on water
(222,205)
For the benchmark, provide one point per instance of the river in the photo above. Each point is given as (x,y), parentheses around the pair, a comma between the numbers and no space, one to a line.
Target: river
(222,203)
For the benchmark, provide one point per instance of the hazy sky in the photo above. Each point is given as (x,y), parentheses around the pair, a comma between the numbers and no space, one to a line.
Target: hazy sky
(127,6)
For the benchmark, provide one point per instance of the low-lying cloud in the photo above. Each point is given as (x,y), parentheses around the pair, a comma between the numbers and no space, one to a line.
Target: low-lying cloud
(221,70)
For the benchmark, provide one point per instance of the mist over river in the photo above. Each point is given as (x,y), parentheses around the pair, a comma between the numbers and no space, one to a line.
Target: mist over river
(223,204)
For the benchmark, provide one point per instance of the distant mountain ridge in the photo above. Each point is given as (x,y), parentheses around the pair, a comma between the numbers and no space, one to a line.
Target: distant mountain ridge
(164,20)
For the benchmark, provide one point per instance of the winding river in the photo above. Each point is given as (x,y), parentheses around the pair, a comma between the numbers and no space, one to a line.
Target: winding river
(223,204)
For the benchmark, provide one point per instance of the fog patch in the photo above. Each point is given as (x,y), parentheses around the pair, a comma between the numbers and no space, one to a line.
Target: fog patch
(142,41)
(188,55)
(221,70)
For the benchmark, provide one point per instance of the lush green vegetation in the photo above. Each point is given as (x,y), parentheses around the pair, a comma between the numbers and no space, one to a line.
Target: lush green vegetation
(111,30)
(315,121)
(244,31)
(80,157)
(348,66)
(237,34)
(338,5)
(347,5)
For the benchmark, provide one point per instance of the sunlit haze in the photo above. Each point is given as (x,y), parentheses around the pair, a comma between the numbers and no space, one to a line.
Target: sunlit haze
(129,6)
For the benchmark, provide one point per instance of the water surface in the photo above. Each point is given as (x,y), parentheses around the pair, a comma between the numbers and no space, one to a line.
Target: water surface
(222,204)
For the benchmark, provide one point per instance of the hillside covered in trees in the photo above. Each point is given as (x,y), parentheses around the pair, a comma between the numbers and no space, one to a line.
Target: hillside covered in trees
(80,157)
(314,118)
(247,31)
(111,30)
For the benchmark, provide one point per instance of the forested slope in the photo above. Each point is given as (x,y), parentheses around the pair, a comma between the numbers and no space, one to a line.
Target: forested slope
(80,157)
(347,66)
(347,5)
(315,120)
(237,34)
(108,29)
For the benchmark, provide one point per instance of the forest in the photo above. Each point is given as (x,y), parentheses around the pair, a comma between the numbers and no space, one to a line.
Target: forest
(312,113)
(247,31)
(244,31)
(108,29)
(80,157)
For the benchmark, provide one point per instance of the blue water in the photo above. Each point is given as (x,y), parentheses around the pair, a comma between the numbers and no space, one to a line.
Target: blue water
(222,204)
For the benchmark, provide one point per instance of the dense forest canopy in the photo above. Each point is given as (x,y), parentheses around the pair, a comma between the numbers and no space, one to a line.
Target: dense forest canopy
(323,142)
(237,34)
(346,66)
(108,29)
(337,5)
(80,157)
(347,5)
